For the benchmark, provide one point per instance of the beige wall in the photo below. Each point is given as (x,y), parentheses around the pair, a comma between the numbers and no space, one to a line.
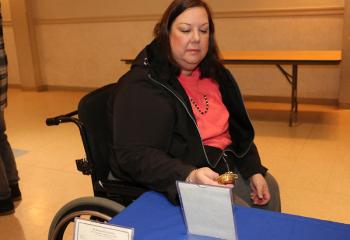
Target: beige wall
(344,89)
(80,42)
(94,8)
(283,33)
(10,48)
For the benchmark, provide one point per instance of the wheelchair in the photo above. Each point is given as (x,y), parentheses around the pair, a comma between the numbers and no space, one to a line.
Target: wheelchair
(111,195)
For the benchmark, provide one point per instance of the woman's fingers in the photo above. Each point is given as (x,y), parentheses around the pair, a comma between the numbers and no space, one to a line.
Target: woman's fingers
(207,176)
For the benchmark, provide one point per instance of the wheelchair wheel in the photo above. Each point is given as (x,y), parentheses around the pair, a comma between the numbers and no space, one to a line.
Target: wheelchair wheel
(94,208)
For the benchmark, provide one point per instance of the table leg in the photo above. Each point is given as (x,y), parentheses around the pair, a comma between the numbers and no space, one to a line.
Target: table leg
(293,81)
(293,118)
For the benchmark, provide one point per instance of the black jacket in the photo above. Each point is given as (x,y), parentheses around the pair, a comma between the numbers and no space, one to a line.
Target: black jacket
(155,136)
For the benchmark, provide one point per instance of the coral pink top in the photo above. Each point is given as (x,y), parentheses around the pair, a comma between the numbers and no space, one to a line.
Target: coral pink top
(209,110)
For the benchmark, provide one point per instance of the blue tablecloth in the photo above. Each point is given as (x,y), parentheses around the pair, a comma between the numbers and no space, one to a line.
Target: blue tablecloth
(153,217)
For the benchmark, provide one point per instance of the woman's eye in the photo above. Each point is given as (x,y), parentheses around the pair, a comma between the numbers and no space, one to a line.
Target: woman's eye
(185,30)
(203,30)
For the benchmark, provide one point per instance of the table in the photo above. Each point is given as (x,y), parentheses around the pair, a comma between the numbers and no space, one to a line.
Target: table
(279,58)
(153,217)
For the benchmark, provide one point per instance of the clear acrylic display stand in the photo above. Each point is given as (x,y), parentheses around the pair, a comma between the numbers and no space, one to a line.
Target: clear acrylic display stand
(207,210)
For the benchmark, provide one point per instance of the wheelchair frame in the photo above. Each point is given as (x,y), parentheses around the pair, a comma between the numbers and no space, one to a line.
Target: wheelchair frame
(110,195)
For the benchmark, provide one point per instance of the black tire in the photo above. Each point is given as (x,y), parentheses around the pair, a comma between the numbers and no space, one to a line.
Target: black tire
(97,208)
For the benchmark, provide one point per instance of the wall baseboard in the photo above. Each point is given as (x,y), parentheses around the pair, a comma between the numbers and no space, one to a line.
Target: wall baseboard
(274,99)
(344,105)
(52,88)
(252,98)
(70,88)
(36,89)
(15,85)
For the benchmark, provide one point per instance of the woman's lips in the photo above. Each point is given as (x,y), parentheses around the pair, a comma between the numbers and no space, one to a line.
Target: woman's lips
(193,50)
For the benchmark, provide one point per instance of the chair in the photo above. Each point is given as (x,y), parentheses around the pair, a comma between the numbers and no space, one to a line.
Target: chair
(110,194)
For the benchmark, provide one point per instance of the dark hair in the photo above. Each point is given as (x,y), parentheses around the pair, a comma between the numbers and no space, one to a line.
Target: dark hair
(211,62)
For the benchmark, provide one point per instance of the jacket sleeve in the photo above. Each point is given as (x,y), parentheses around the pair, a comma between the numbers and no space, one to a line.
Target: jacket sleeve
(250,164)
(242,130)
(143,120)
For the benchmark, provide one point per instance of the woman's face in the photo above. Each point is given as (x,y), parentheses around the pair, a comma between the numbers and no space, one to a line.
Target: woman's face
(189,38)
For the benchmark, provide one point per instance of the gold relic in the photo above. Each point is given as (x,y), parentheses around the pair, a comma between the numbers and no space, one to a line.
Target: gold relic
(228,177)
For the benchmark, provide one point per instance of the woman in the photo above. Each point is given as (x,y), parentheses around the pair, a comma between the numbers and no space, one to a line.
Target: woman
(178,115)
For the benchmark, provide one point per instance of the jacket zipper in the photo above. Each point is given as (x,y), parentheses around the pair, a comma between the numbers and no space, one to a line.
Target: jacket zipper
(184,105)
(250,145)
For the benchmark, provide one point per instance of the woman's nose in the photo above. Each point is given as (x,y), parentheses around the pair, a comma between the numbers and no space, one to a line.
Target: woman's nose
(196,36)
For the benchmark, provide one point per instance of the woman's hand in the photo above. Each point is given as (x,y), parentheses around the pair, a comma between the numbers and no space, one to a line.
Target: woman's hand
(260,191)
(207,176)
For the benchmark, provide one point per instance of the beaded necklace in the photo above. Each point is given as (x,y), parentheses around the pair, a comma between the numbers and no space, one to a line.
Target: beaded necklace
(197,107)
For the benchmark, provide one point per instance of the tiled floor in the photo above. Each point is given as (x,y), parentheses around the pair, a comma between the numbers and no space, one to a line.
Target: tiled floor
(311,161)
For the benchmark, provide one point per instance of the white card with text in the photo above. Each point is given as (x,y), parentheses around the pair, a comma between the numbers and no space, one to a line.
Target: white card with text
(92,230)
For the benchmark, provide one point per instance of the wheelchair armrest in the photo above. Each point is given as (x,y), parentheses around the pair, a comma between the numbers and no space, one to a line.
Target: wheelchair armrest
(120,191)
(62,119)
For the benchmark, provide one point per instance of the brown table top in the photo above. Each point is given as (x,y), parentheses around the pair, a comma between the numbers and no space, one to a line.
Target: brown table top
(282,55)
